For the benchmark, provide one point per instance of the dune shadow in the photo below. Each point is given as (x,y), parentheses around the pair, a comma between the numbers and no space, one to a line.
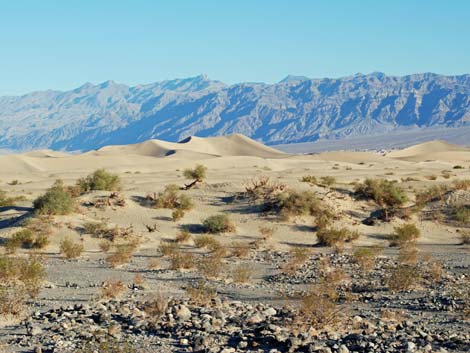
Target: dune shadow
(20,214)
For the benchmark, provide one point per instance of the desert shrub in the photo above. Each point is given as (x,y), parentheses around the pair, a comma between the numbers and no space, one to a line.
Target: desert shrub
(69,249)
(179,260)
(96,229)
(408,255)
(201,293)
(332,236)
(218,224)
(404,234)
(365,258)
(100,179)
(319,307)
(6,201)
(267,232)
(110,345)
(461,184)
(24,274)
(204,241)
(310,179)
(292,203)
(297,257)
(167,248)
(156,307)
(240,250)
(177,214)
(210,266)
(465,237)
(183,237)
(262,188)
(105,245)
(328,180)
(461,214)
(458,167)
(122,254)
(198,173)
(171,198)
(56,201)
(403,277)
(242,273)
(112,290)
(435,192)
(384,192)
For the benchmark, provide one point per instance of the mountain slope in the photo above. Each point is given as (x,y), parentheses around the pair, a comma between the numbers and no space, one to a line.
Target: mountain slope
(296,109)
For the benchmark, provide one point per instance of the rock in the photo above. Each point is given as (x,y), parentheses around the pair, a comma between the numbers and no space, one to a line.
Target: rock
(35,330)
(182,313)
(410,347)
(343,349)
(269,312)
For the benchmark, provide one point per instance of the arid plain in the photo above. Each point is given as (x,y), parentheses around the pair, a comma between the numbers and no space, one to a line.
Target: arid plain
(309,258)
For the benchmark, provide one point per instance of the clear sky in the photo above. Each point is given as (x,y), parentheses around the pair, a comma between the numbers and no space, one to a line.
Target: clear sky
(62,44)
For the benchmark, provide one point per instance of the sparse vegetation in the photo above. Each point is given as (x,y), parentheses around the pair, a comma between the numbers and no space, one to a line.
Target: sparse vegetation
(27,239)
(465,237)
(6,201)
(404,234)
(56,201)
(218,224)
(122,254)
(112,290)
(198,174)
(100,179)
(332,236)
(242,273)
(201,293)
(461,214)
(267,232)
(70,249)
(365,258)
(403,277)
(385,193)
(171,198)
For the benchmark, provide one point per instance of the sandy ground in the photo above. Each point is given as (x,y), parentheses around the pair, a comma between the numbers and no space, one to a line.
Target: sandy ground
(232,162)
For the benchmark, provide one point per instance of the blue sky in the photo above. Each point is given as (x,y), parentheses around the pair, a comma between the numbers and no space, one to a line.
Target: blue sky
(62,44)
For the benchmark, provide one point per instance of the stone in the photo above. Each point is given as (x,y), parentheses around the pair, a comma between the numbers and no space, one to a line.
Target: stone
(183,313)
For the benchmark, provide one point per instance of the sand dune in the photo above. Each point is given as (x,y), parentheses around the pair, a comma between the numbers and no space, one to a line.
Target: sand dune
(432,151)
(223,146)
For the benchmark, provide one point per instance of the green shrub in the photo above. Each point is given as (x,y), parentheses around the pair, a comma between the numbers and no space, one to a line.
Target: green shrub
(218,224)
(365,258)
(292,203)
(310,179)
(384,192)
(331,236)
(56,201)
(198,173)
(27,239)
(404,234)
(100,179)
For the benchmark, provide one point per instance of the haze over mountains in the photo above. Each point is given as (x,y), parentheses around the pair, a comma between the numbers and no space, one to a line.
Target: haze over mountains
(297,109)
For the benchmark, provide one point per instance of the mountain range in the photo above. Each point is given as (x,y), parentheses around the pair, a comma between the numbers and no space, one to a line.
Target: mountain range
(296,109)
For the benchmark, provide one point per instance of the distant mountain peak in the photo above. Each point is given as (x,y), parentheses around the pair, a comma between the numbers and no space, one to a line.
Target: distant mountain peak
(92,116)
(294,78)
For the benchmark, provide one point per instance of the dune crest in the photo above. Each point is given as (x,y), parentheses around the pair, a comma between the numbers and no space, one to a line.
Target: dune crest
(432,150)
(222,146)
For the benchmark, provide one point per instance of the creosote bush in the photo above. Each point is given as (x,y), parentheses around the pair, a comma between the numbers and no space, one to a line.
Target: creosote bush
(26,239)
(218,224)
(365,258)
(20,278)
(171,198)
(56,201)
(100,179)
(462,214)
(201,293)
(332,236)
(242,273)
(403,277)
(404,234)
(385,193)
(70,249)
(122,254)
(293,203)
(197,173)
(6,201)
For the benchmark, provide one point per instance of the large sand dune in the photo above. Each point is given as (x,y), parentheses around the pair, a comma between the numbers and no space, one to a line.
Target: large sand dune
(432,151)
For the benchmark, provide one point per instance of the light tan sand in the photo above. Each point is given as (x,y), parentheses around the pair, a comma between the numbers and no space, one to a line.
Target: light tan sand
(231,161)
